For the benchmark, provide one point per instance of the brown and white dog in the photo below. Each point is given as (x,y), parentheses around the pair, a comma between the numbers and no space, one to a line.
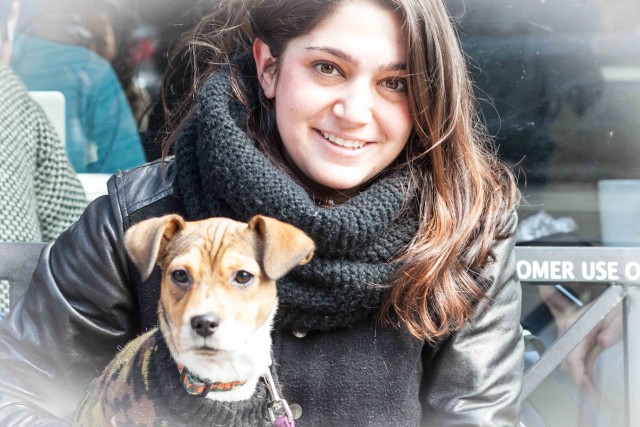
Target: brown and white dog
(218,294)
(217,298)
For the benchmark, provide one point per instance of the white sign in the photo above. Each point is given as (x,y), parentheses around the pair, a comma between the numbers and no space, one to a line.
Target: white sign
(579,271)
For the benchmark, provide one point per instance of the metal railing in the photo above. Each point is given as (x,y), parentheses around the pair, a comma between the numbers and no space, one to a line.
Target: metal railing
(617,267)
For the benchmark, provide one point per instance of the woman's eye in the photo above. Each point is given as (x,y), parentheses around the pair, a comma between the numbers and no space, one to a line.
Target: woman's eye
(396,85)
(180,277)
(327,68)
(243,277)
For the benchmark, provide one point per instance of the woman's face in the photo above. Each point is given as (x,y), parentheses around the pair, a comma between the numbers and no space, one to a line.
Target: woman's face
(341,100)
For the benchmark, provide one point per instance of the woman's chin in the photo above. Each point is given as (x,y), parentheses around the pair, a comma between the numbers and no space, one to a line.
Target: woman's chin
(339,179)
(342,186)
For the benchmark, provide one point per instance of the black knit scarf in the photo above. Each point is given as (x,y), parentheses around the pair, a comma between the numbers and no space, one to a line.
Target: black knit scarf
(222,173)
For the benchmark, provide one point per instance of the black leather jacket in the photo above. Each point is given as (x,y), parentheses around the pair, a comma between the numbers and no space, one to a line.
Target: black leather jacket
(84,304)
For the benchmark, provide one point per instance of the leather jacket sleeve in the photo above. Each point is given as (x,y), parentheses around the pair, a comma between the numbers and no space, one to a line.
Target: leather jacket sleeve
(474,378)
(71,321)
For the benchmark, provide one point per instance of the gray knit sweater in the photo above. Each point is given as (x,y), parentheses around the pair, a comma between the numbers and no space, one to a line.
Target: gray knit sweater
(40,195)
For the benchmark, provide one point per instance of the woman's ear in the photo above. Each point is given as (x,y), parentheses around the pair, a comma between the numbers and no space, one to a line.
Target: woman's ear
(265,64)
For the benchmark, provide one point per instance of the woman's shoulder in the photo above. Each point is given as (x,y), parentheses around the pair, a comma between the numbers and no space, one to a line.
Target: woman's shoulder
(144,191)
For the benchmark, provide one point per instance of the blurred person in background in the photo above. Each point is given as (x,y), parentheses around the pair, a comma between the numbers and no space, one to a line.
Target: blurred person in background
(40,195)
(112,36)
(53,52)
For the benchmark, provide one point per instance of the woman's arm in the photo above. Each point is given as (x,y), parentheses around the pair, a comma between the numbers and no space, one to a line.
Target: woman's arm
(475,377)
(76,312)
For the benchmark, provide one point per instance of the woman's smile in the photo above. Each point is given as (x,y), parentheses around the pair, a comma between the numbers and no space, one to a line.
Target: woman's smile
(345,143)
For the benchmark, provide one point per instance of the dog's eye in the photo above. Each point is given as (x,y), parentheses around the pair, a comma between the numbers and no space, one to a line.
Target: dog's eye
(243,277)
(180,277)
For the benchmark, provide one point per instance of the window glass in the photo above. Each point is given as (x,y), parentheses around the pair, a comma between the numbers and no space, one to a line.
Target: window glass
(559,84)
(559,88)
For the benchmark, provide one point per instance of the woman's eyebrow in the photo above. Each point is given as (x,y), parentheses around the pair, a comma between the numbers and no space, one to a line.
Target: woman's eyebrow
(391,66)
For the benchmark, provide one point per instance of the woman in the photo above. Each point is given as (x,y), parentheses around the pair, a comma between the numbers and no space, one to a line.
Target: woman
(354,121)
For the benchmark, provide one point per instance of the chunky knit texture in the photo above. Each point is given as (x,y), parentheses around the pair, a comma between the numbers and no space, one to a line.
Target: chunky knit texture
(222,173)
(40,195)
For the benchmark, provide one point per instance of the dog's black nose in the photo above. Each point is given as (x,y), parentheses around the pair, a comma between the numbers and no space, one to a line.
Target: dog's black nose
(205,325)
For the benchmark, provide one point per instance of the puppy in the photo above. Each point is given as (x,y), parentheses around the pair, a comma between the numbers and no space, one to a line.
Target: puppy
(217,303)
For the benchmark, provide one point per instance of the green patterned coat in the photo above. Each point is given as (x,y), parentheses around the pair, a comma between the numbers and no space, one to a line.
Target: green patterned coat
(40,193)
(141,387)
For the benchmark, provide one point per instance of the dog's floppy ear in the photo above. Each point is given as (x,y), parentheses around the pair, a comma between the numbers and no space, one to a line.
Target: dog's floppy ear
(283,245)
(145,240)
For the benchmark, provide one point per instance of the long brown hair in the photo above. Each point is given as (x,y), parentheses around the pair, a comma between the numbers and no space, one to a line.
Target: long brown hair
(464,193)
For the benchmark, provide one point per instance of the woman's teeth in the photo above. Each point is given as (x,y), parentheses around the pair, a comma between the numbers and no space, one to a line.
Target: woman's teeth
(348,143)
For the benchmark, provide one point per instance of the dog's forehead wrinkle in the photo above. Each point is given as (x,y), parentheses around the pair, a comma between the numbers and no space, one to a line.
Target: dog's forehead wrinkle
(183,242)
(223,229)
(211,234)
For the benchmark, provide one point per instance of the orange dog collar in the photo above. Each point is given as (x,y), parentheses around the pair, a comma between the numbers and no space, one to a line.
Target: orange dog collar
(196,387)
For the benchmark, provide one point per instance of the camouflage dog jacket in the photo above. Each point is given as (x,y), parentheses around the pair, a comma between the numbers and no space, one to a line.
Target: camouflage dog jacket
(141,387)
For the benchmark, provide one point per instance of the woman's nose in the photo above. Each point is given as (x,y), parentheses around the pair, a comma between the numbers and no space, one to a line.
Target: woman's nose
(355,104)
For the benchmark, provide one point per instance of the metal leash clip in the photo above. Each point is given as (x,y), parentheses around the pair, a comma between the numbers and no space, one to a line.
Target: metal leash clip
(279,411)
